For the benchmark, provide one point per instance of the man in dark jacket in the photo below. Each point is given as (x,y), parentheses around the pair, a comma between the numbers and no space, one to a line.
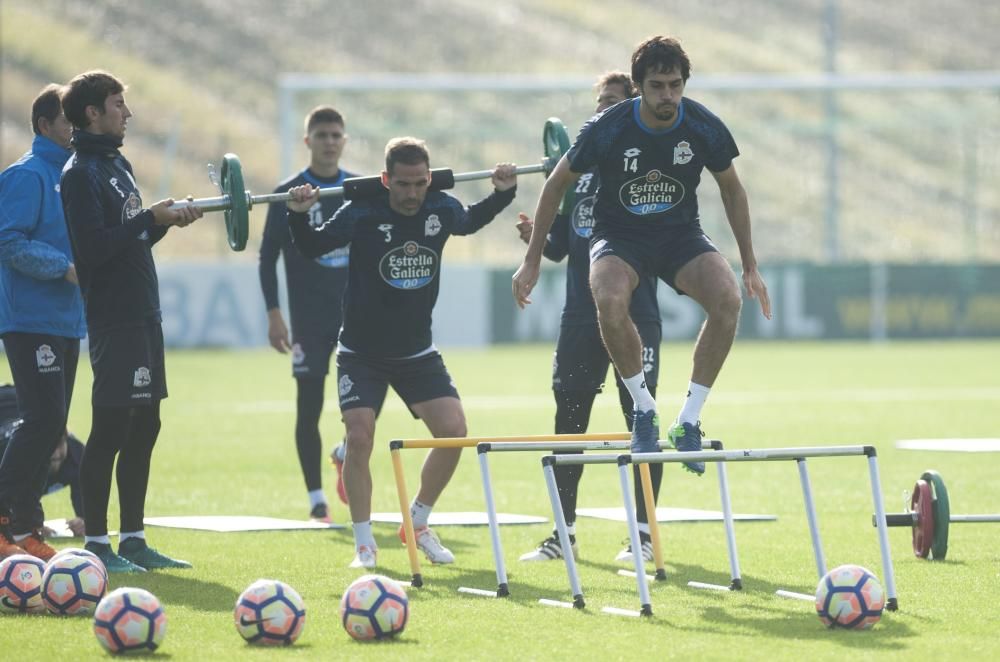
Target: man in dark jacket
(112,236)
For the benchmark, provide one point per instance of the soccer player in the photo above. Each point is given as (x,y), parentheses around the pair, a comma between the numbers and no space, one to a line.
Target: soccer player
(650,153)
(581,362)
(315,288)
(41,321)
(397,238)
(112,236)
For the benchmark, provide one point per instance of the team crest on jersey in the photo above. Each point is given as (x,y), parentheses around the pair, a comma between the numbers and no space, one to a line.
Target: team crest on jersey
(344,385)
(141,379)
(387,229)
(682,153)
(583,217)
(45,357)
(298,354)
(651,193)
(432,225)
(409,267)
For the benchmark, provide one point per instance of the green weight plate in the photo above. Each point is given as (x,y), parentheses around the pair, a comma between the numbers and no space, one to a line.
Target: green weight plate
(942,514)
(921,502)
(238,214)
(555,140)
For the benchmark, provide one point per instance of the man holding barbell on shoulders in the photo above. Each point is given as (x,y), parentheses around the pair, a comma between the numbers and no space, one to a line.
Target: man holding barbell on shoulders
(397,238)
(112,236)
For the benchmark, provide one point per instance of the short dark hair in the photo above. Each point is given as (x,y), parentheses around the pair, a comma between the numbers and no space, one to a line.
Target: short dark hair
(407,150)
(47,104)
(659,54)
(323,114)
(90,88)
(616,78)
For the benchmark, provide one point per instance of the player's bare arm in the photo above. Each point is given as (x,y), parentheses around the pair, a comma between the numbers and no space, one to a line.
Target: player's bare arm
(734,199)
(553,190)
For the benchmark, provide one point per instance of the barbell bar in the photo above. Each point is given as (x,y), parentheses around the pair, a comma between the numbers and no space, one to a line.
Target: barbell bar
(929,517)
(236,201)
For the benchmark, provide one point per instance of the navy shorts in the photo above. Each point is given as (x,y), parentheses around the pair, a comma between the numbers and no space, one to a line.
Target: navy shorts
(128,366)
(661,255)
(581,360)
(362,381)
(311,356)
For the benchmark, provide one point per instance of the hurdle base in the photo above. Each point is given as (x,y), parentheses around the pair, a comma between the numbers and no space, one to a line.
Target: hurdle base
(578,601)
(503,591)
(417,581)
(481,592)
(892,604)
(661,575)
(794,595)
(736,585)
(647,610)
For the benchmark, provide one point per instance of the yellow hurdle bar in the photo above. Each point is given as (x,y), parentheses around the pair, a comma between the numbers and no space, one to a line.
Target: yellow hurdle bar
(471,442)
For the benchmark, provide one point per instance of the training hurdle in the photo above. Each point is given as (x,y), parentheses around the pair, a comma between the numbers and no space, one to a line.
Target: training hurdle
(749,455)
(483,449)
(396,445)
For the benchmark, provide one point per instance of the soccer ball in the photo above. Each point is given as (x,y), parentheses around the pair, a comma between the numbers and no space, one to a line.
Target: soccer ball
(73,585)
(21,584)
(849,596)
(374,607)
(130,619)
(270,613)
(79,551)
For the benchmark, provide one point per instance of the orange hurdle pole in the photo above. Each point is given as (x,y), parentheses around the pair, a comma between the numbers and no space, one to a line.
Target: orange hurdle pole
(654,527)
(404,509)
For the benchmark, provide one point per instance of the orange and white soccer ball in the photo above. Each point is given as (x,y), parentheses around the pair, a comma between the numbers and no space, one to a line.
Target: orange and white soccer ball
(130,619)
(270,613)
(73,585)
(21,584)
(850,596)
(374,607)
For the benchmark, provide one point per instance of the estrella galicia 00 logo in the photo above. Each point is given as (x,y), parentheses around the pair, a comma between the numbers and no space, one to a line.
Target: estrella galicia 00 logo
(409,266)
(583,217)
(652,193)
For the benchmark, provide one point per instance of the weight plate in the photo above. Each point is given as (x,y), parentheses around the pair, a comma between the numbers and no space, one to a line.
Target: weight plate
(942,514)
(923,528)
(238,214)
(555,140)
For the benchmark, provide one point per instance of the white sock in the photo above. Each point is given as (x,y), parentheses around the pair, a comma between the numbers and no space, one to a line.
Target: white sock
(691,411)
(316,497)
(363,534)
(102,540)
(123,536)
(340,451)
(420,513)
(644,527)
(636,386)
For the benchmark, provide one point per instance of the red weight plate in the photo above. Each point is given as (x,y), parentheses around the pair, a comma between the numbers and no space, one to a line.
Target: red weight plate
(923,529)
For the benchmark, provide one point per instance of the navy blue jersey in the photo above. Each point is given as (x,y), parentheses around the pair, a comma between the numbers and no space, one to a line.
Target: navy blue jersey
(570,236)
(315,286)
(650,177)
(395,266)
(111,233)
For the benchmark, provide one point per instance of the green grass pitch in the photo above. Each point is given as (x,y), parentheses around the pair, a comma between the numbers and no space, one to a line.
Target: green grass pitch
(226,448)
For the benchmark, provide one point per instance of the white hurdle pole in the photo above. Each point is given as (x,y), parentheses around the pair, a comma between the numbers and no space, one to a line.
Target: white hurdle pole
(811,517)
(557,514)
(625,476)
(892,604)
(727,517)
(491,514)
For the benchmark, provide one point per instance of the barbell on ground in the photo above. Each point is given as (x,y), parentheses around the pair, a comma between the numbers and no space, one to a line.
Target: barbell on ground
(930,515)
(236,201)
